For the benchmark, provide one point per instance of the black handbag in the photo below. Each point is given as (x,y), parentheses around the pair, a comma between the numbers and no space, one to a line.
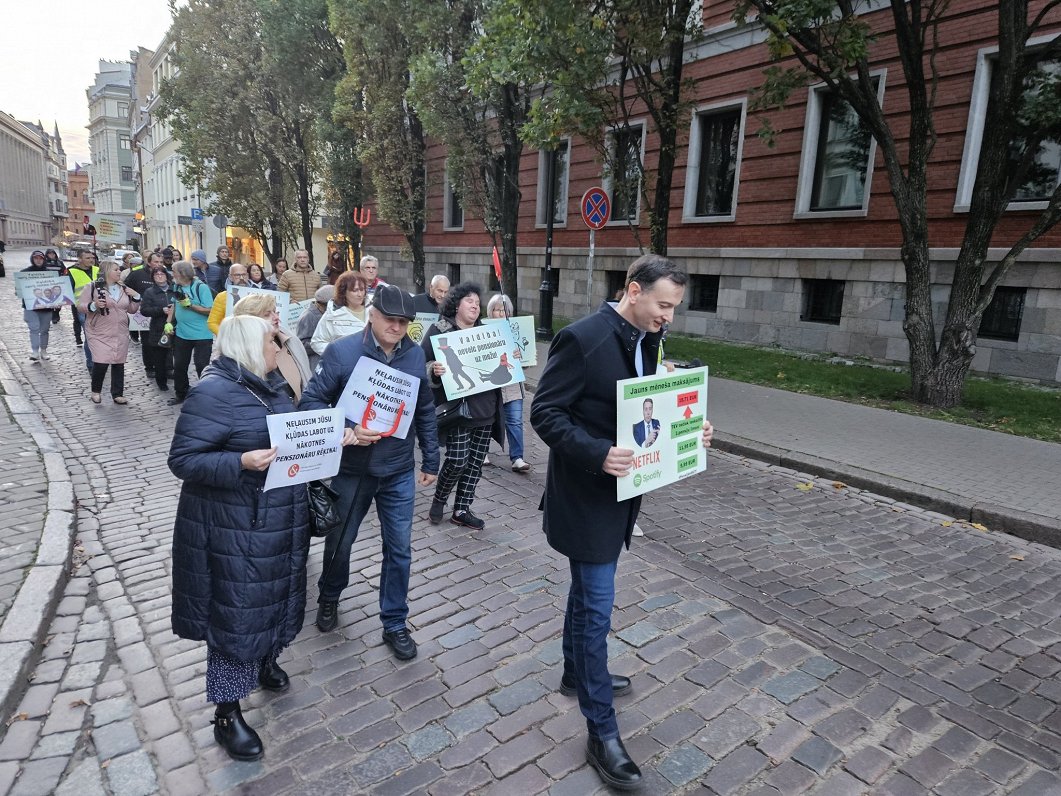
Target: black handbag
(323,515)
(452,412)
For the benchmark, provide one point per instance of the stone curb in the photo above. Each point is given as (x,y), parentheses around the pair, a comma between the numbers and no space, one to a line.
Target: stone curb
(26,623)
(1025,525)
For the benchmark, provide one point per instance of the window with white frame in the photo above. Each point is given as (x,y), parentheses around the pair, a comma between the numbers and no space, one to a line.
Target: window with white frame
(1037,173)
(452,210)
(715,144)
(562,154)
(836,166)
(124,142)
(626,146)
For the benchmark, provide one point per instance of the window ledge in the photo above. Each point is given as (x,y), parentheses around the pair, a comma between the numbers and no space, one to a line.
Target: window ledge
(452,229)
(623,223)
(801,215)
(1012,207)
(709,219)
(556,225)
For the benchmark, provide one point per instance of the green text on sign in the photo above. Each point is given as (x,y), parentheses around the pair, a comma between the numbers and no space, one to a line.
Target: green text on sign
(688,446)
(668,384)
(683,427)
(686,464)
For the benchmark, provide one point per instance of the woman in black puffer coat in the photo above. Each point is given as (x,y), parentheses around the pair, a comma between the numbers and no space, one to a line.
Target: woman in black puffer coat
(239,554)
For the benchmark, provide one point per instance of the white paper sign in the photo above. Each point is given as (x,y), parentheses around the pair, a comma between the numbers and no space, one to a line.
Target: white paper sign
(234,293)
(477,359)
(380,398)
(139,322)
(309,446)
(43,290)
(418,327)
(660,418)
(523,334)
(294,312)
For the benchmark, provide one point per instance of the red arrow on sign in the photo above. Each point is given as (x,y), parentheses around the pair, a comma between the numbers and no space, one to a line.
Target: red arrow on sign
(687,413)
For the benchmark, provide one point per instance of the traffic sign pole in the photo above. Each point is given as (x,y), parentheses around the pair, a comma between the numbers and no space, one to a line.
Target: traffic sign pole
(596,210)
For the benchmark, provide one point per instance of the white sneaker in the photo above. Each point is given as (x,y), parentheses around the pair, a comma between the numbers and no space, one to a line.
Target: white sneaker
(44,354)
(520,466)
(637,530)
(35,355)
(486,461)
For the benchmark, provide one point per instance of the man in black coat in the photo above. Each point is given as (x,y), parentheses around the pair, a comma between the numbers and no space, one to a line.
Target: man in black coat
(574,412)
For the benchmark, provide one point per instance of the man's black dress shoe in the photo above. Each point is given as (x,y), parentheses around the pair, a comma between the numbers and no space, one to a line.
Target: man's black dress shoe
(327,616)
(613,763)
(271,677)
(620,685)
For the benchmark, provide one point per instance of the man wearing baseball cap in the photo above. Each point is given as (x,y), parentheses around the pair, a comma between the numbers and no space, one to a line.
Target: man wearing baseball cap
(376,467)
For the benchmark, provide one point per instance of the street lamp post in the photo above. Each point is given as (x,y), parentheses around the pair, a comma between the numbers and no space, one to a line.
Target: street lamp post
(545,291)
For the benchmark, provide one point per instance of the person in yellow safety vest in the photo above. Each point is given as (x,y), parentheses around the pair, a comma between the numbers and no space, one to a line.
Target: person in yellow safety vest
(83,272)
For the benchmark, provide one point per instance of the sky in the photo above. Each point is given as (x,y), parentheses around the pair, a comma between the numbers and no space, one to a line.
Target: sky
(50,52)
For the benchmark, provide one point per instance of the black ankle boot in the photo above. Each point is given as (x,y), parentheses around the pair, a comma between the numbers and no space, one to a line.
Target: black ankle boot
(271,677)
(234,735)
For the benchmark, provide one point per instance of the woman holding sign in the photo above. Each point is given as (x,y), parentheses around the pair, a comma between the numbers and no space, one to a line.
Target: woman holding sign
(239,553)
(467,436)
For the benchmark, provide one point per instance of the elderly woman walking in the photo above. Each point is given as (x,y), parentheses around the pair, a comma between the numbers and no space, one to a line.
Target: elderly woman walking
(107,305)
(239,553)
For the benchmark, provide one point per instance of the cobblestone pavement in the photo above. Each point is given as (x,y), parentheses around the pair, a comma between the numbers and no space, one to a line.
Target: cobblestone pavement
(784,634)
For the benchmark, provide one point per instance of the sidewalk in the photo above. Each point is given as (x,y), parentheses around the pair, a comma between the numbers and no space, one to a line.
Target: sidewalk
(1008,483)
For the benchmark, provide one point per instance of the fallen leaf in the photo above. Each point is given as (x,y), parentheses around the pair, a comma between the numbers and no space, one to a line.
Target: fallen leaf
(839,485)
(17,717)
(79,703)
(1017,557)
(979,527)
(781,376)
(807,487)
(946,523)
(105,764)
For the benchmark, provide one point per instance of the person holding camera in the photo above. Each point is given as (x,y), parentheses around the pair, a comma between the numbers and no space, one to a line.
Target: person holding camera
(107,305)
(192,303)
(157,305)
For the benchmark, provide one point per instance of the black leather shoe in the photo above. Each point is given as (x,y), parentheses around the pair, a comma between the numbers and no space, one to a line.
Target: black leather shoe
(468,520)
(176,399)
(271,677)
(401,642)
(234,735)
(620,685)
(327,616)
(437,512)
(613,763)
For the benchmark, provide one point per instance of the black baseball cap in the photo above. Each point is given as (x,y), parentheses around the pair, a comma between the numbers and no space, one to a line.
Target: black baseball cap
(394,301)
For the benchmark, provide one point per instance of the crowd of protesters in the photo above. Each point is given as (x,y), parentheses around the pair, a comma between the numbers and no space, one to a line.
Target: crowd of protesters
(240,552)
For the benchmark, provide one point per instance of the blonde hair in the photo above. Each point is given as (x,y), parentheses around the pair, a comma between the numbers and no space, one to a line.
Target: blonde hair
(242,338)
(256,304)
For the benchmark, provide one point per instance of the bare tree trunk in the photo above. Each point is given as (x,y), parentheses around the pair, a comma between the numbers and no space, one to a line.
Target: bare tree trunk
(510,118)
(415,234)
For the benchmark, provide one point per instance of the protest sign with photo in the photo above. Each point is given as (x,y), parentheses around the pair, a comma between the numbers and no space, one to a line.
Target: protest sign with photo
(477,359)
(418,326)
(523,334)
(661,419)
(380,398)
(309,446)
(43,290)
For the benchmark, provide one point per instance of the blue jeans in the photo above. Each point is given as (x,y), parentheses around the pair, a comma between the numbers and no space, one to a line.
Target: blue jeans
(81,317)
(514,428)
(394,496)
(586,627)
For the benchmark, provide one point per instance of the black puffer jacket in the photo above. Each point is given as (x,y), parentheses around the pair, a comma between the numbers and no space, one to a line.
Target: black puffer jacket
(239,554)
(153,303)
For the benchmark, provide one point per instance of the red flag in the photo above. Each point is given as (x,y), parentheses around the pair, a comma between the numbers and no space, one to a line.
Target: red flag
(497,265)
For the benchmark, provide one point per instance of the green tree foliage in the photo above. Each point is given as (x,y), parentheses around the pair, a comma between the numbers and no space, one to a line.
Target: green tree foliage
(378,40)
(830,41)
(244,104)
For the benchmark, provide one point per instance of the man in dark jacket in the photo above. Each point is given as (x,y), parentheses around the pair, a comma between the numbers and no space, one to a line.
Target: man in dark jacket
(223,262)
(379,468)
(429,301)
(208,274)
(574,412)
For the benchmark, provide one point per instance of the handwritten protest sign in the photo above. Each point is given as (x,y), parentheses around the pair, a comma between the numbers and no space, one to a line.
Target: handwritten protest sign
(380,398)
(477,359)
(661,419)
(43,290)
(523,334)
(139,322)
(234,293)
(309,446)
(419,326)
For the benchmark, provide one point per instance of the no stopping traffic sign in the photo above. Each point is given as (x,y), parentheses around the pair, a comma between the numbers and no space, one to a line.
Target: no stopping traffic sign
(596,207)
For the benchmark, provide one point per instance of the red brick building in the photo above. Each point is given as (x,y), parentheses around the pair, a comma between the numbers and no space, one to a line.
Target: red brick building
(783,245)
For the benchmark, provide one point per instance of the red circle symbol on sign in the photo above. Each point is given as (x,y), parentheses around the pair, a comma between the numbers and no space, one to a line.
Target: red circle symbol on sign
(292,471)
(596,207)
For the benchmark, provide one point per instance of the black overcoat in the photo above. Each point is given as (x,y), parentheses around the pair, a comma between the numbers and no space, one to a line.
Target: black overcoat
(574,413)
(239,554)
